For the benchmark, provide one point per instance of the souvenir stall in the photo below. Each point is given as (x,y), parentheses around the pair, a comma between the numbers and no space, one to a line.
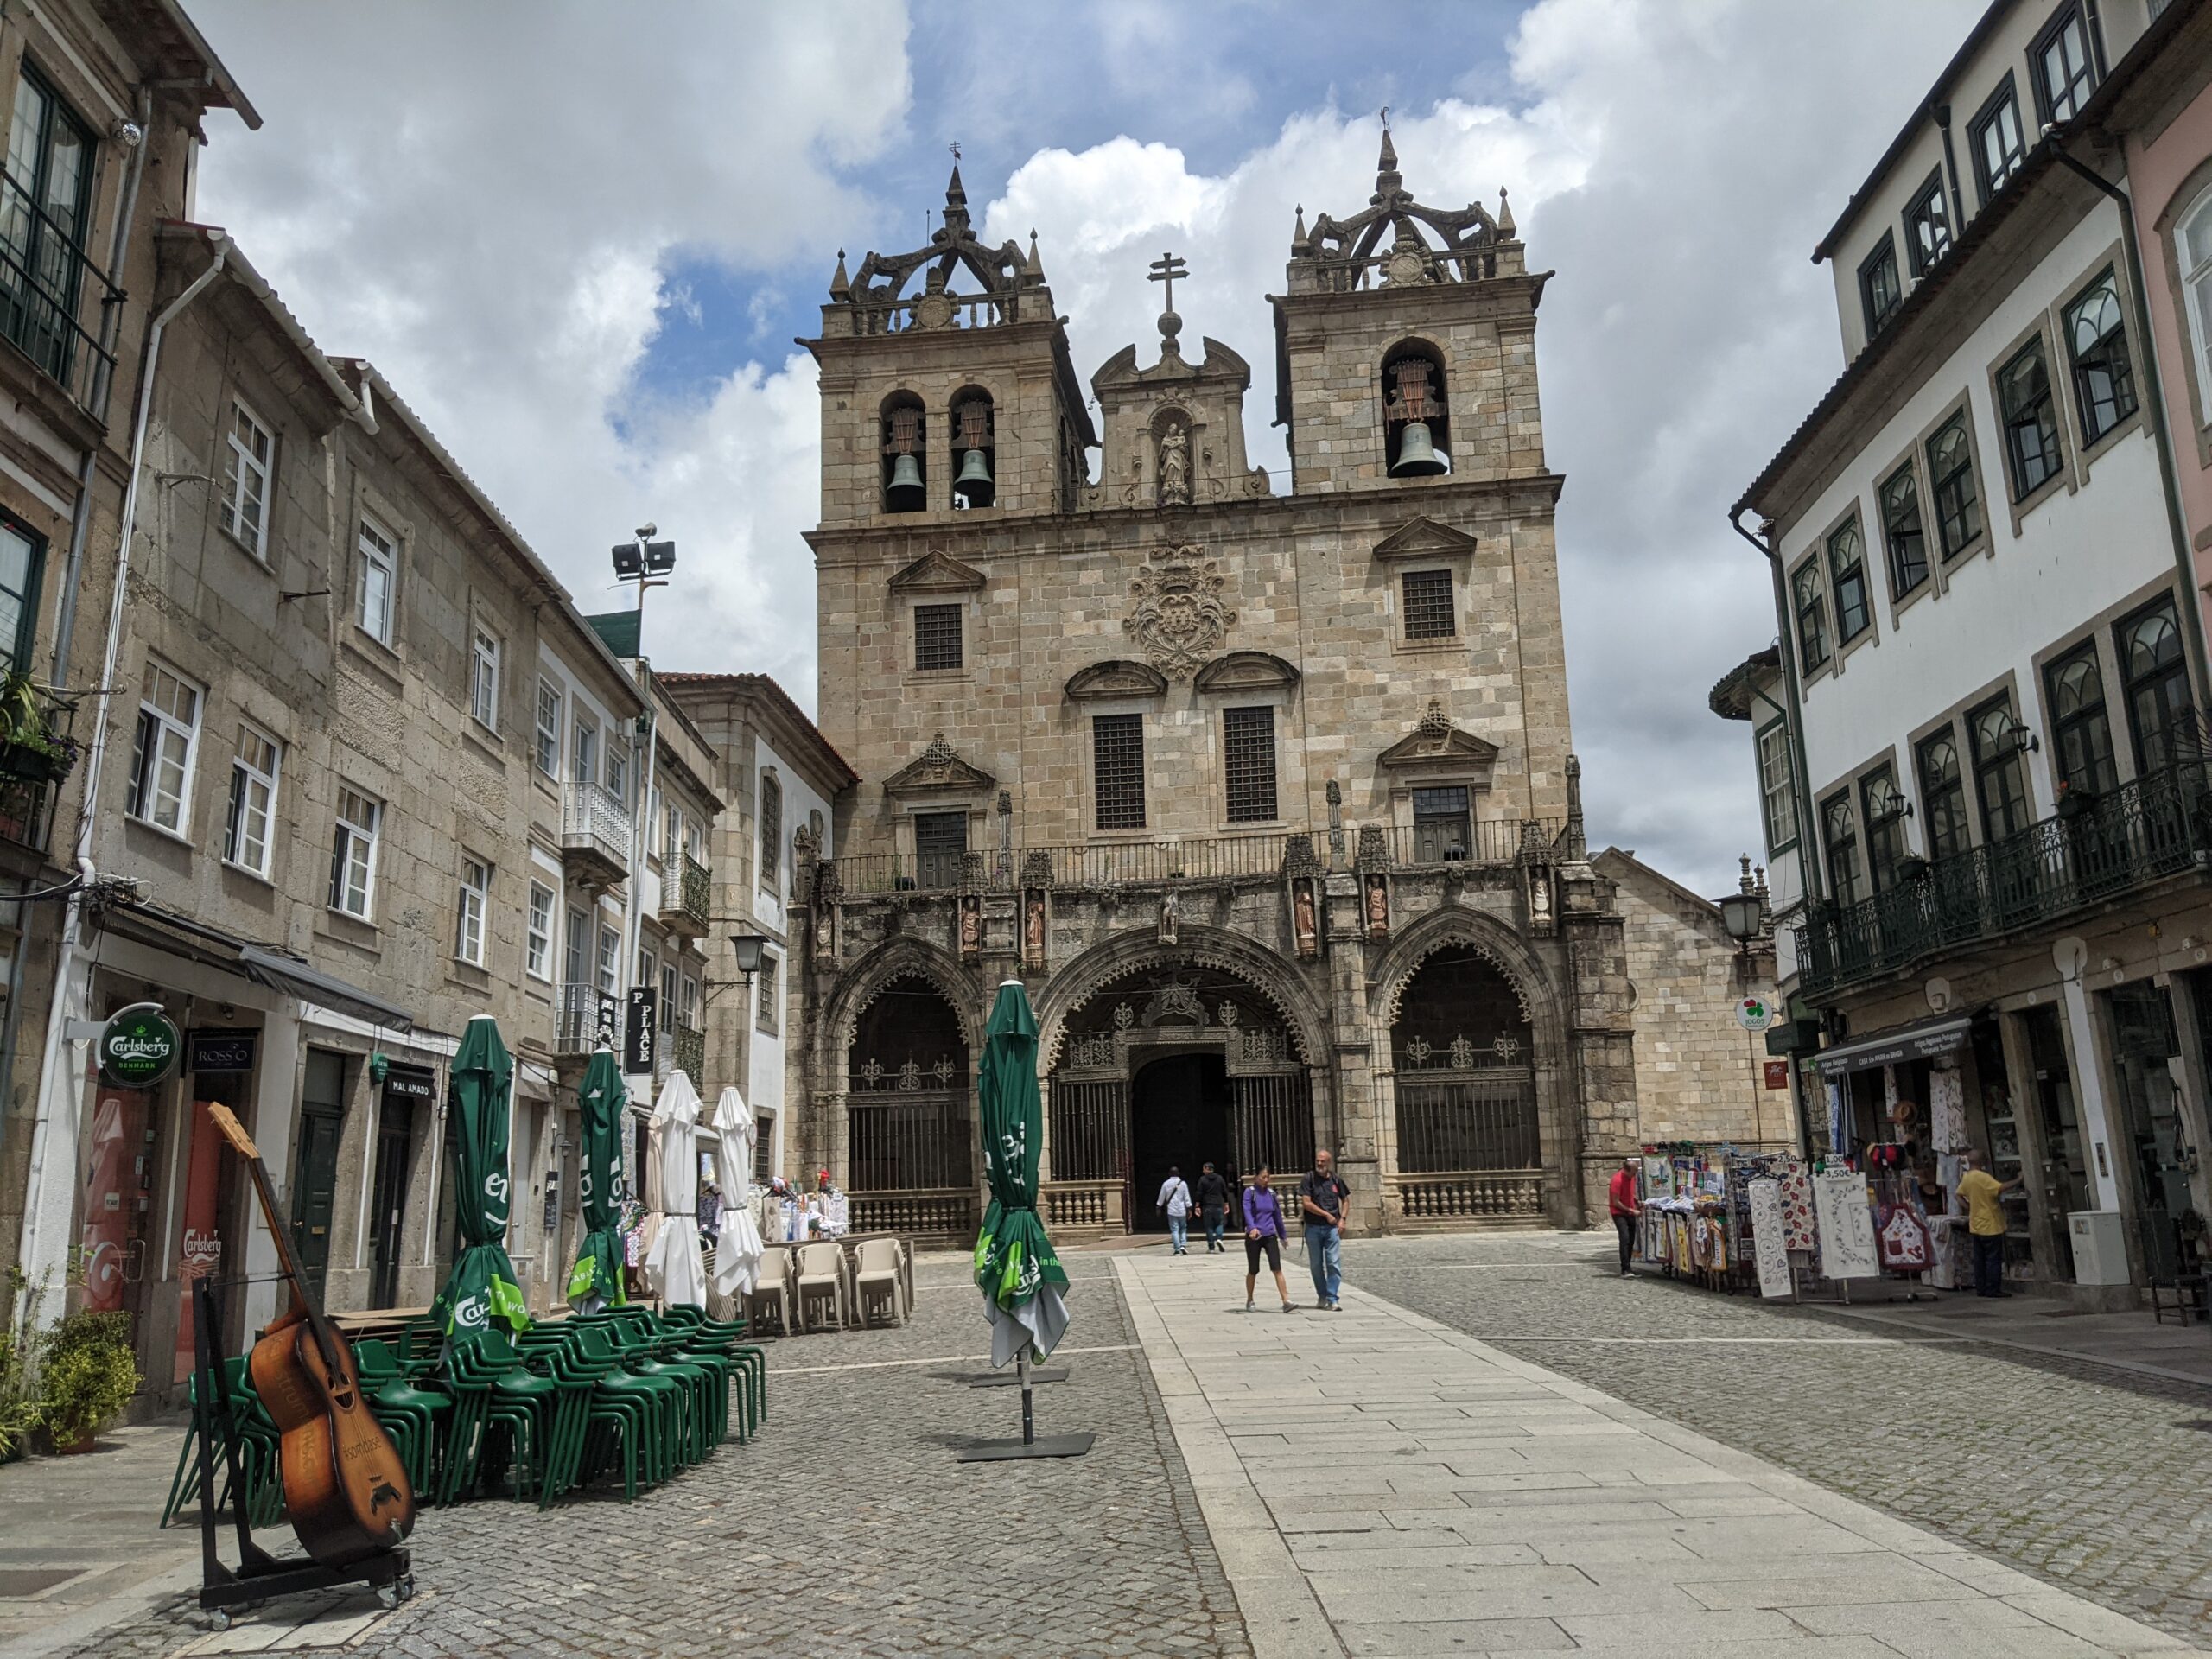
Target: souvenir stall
(1725,1219)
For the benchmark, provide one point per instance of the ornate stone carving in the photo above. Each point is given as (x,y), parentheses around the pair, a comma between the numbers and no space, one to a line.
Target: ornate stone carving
(1176,615)
(1032,927)
(1116,677)
(937,573)
(1174,1000)
(1173,465)
(936,769)
(1247,670)
(1435,741)
(971,927)
(1170,917)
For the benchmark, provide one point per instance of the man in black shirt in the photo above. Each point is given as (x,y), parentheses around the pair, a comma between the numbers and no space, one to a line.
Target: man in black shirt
(1213,1202)
(1321,1201)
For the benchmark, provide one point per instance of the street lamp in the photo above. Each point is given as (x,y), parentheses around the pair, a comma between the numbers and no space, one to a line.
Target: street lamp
(646,562)
(748,947)
(1741,914)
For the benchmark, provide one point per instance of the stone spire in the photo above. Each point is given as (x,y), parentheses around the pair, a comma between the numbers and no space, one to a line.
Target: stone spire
(1301,245)
(1505,216)
(841,286)
(955,205)
(1387,180)
(1033,271)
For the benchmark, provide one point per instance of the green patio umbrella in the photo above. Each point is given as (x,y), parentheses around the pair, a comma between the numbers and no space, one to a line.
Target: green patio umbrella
(1016,1268)
(481,1287)
(596,1280)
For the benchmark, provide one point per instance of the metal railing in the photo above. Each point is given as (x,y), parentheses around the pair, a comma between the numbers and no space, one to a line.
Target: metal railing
(2144,830)
(584,1018)
(695,894)
(1199,858)
(685,1050)
(593,821)
(48,284)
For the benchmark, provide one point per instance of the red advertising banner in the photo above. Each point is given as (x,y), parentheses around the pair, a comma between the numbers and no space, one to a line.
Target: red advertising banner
(200,1249)
(1778,1074)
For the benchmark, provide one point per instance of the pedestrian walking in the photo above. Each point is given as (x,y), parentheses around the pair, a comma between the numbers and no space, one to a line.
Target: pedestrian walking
(1263,1230)
(1213,1206)
(1321,1201)
(1621,1198)
(1175,1198)
(1984,1195)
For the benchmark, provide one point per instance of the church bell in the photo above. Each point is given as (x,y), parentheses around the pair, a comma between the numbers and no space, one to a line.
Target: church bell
(1417,453)
(974,485)
(904,492)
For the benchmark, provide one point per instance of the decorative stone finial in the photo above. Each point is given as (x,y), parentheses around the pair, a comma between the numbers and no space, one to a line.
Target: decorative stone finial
(1301,244)
(1388,179)
(1504,214)
(841,286)
(1034,270)
(955,207)
(1434,723)
(1743,881)
(939,753)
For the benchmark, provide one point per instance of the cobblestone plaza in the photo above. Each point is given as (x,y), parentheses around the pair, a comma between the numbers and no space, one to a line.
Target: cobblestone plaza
(1500,1446)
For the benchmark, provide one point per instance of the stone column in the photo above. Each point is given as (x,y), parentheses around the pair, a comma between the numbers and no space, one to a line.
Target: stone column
(1600,1041)
(1357,1131)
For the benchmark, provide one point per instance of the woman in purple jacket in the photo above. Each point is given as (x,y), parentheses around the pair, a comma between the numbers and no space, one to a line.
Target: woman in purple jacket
(1263,1230)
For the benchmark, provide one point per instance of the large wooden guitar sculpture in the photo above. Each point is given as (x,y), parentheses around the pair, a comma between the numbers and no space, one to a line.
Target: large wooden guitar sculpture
(345,1489)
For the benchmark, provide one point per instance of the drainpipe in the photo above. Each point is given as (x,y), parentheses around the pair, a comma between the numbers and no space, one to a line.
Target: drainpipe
(53,1141)
(2154,405)
(1808,861)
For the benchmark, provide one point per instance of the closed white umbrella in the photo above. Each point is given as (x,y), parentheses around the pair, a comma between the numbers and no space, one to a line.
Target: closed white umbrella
(737,1254)
(674,1264)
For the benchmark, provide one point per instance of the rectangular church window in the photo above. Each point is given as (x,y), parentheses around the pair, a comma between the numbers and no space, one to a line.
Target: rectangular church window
(1117,765)
(937,636)
(1443,831)
(1249,750)
(1428,605)
(940,847)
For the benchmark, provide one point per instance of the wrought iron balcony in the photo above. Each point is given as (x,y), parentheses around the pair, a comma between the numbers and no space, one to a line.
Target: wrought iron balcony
(687,892)
(53,296)
(686,1052)
(584,1018)
(595,834)
(2146,830)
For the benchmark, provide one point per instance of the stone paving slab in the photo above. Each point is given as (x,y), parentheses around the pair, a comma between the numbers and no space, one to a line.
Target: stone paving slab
(1615,1530)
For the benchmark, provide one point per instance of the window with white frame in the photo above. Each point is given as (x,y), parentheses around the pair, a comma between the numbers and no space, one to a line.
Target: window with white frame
(1777,791)
(669,976)
(695,841)
(484,680)
(764,1015)
(575,950)
(375,580)
(468,915)
(690,1002)
(548,748)
(248,451)
(246,840)
(160,762)
(583,751)
(353,853)
(671,832)
(610,959)
(537,933)
(618,770)
(2193,250)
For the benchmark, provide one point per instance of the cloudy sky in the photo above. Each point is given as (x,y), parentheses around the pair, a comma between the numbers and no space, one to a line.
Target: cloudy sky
(581,238)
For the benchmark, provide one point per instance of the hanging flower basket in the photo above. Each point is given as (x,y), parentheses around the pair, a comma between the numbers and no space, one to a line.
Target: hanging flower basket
(37,763)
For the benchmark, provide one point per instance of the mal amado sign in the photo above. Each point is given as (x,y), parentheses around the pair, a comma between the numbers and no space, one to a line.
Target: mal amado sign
(139,1047)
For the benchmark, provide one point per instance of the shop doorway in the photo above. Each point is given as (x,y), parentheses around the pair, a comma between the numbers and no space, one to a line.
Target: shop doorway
(1178,1117)
(2144,1048)
(124,1139)
(314,1168)
(388,1198)
(2065,1174)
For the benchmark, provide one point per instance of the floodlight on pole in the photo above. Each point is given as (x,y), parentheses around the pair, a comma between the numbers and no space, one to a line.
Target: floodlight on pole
(647,562)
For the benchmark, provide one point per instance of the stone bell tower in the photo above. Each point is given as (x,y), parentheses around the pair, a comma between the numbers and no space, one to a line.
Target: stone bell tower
(952,393)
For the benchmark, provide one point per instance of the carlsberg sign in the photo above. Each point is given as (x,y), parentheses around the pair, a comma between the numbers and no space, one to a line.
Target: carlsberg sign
(138,1047)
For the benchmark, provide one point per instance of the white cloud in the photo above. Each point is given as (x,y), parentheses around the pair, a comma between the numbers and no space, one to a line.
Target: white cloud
(488,201)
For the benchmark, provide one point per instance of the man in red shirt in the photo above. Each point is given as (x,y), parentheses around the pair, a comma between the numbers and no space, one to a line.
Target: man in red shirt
(1621,1199)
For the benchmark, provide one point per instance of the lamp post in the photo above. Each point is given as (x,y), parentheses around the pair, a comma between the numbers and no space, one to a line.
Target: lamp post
(646,562)
(749,948)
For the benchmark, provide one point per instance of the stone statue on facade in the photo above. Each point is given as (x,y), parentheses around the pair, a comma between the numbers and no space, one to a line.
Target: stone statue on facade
(1170,917)
(1175,466)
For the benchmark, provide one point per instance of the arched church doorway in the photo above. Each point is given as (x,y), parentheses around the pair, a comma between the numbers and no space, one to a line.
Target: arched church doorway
(1468,1136)
(1179,1119)
(909,1116)
(1174,1064)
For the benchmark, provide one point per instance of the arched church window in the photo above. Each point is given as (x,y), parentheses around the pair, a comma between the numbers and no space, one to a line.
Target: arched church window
(906,466)
(1416,411)
(974,481)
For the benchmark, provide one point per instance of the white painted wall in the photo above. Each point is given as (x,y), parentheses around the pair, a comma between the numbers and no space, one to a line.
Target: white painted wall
(769,1057)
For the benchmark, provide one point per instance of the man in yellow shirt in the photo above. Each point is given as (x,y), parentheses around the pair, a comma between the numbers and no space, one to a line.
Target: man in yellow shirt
(1983,1192)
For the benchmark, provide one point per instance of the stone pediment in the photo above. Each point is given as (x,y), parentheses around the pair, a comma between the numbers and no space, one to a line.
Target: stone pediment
(938,771)
(937,573)
(1424,538)
(1117,676)
(1437,743)
(1220,364)
(1247,670)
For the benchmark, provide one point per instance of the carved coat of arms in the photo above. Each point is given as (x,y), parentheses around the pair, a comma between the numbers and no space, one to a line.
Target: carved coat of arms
(1176,613)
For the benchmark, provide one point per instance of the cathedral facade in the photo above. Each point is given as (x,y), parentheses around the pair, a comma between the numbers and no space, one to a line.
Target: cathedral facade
(1268,797)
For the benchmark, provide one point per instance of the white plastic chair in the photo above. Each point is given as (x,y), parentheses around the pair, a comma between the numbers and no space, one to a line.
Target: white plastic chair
(771,1290)
(879,1280)
(821,1278)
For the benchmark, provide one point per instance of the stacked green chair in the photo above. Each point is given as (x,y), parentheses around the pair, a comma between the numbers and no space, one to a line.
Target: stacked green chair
(412,1415)
(516,1415)
(257,1443)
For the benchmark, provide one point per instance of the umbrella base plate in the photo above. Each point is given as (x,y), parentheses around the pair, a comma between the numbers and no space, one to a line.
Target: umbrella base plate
(1045,1446)
(1012,1379)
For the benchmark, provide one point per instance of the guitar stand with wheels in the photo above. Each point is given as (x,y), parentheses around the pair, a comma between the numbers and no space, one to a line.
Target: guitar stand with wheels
(259,1574)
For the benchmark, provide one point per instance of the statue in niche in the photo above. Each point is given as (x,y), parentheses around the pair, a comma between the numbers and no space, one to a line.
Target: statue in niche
(1540,901)
(1378,905)
(1175,473)
(1033,929)
(971,927)
(1303,925)
(1170,917)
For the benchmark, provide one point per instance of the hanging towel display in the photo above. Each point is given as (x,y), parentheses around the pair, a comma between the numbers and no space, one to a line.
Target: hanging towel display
(1770,1233)
(1847,1225)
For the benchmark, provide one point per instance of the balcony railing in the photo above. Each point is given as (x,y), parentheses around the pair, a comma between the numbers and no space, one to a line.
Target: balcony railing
(2154,827)
(596,827)
(687,893)
(52,298)
(584,1017)
(1201,858)
(685,1050)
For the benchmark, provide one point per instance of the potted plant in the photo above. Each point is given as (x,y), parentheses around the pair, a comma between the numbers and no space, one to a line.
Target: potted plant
(20,1411)
(86,1374)
(30,747)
